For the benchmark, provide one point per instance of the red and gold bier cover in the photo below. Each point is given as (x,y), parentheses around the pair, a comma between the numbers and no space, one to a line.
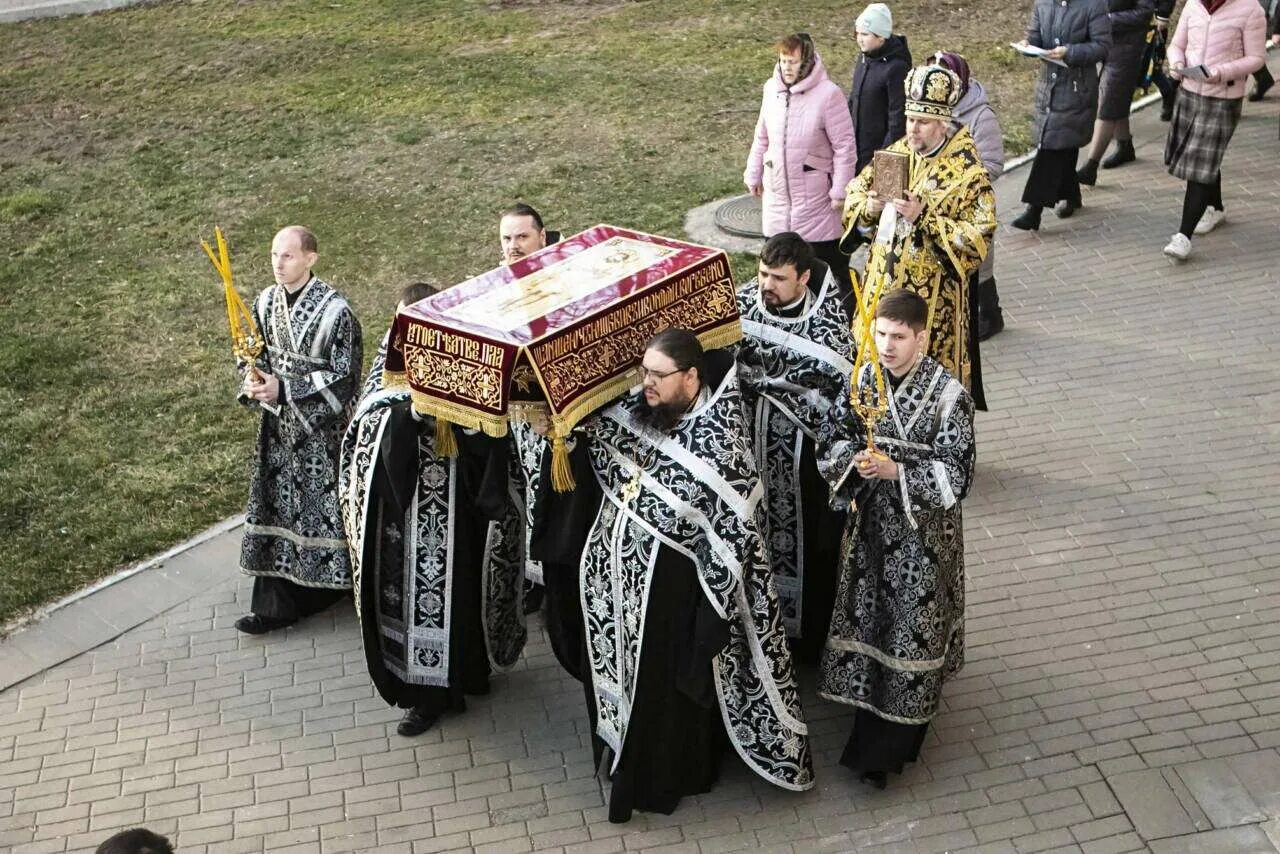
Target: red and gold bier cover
(561,330)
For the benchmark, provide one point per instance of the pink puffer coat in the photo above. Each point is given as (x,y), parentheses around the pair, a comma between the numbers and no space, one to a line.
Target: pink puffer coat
(1230,43)
(803,155)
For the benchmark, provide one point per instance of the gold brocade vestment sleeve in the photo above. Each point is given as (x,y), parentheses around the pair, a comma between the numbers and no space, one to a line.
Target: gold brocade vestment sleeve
(936,255)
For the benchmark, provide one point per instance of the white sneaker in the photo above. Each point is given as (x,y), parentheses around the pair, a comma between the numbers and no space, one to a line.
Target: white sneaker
(1179,247)
(1211,219)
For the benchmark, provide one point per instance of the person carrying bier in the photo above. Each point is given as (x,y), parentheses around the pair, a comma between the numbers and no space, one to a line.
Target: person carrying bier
(437,546)
(684,647)
(794,360)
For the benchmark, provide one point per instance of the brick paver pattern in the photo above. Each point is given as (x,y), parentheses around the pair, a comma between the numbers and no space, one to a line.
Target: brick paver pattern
(1122,690)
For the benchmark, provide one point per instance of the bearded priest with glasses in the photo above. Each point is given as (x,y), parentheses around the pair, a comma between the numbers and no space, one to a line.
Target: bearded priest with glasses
(684,649)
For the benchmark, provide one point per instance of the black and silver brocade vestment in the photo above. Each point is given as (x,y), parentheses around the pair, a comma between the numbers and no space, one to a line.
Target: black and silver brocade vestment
(293,528)
(898,628)
(793,369)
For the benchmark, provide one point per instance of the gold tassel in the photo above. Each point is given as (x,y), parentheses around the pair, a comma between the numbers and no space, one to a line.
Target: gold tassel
(446,442)
(561,473)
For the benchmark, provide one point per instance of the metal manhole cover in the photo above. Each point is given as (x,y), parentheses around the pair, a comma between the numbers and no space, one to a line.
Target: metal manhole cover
(740,216)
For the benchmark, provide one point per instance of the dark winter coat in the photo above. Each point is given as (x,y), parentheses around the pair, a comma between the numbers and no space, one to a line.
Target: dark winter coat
(1130,20)
(1067,98)
(877,98)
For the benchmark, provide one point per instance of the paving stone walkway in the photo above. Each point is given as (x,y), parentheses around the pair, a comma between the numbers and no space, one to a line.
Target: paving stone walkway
(1122,691)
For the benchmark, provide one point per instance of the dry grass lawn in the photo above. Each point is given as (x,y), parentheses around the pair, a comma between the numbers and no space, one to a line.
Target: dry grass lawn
(397,130)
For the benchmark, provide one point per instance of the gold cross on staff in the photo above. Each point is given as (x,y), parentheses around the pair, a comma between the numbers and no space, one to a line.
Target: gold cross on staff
(246,342)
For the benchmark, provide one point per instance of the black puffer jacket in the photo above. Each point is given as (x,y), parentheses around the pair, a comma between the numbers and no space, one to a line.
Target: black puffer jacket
(1130,20)
(877,99)
(1067,98)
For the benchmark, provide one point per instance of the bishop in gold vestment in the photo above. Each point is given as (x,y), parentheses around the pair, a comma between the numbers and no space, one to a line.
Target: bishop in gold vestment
(950,196)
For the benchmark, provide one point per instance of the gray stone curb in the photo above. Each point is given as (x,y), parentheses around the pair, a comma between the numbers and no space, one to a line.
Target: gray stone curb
(110,607)
(22,10)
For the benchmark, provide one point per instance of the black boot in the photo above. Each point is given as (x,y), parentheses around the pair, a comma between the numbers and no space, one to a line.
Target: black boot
(1123,154)
(1066,208)
(990,318)
(415,722)
(256,624)
(1088,173)
(1028,220)
(877,779)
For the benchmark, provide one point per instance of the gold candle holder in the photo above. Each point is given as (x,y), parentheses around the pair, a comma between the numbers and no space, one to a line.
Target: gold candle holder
(870,404)
(247,342)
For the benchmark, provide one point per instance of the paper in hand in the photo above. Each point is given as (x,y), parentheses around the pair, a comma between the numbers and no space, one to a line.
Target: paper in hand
(1194,72)
(1037,52)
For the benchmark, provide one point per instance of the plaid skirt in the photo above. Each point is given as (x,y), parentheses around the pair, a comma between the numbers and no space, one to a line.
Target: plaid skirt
(1198,136)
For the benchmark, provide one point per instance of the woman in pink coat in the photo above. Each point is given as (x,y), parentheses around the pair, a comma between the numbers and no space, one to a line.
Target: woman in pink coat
(1217,45)
(803,154)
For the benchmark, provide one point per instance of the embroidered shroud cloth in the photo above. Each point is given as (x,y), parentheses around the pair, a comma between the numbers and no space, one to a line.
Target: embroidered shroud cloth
(936,255)
(700,497)
(416,565)
(898,628)
(562,329)
(792,370)
(292,526)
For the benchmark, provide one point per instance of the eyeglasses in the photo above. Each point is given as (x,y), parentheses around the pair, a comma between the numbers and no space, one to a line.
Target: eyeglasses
(649,373)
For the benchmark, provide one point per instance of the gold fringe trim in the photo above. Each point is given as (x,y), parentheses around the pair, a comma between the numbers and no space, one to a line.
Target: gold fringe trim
(463,416)
(722,336)
(446,442)
(561,472)
(395,380)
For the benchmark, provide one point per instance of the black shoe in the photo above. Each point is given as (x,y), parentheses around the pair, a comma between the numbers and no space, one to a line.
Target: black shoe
(1065,209)
(533,596)
(1123,154)
(415,722)
(1029,219)
(254,624)
(879,779)
(1166,113)
(989,326)
(1260,92)
(1088,173)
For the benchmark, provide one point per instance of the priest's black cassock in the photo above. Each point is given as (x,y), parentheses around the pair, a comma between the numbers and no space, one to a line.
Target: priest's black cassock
(437,549)
(683,649)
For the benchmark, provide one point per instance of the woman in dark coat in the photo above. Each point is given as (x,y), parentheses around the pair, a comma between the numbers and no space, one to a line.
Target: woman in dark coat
(877,100)
(1077,33)
(1130,23)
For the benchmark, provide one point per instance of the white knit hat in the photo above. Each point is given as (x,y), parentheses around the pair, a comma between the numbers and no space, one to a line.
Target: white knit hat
(876,19)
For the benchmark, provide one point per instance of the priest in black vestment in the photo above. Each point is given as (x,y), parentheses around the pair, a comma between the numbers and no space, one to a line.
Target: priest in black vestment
(794,361)
(305,385)
(437,545)
(684,646)
(897,633)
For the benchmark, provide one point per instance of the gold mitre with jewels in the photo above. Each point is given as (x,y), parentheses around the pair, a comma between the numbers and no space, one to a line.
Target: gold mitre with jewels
(932,92)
